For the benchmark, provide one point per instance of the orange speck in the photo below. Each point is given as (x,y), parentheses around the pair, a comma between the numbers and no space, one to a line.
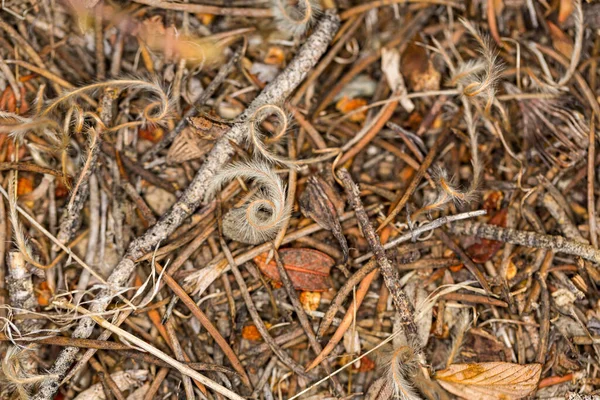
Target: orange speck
(310,300)
(456,268)
(44,294)
(153,134)
(24,185)
(250,332)
(346,105)
(275,56)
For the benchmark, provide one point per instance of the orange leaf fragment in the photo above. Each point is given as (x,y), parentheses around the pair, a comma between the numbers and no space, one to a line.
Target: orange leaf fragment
(560,40)
(250,332)
(366,364)
(61,190)
(491,380)
(206,19)
(151,133)
(346,105)
(24,185)
(44,294)
(308,269)
(565,10)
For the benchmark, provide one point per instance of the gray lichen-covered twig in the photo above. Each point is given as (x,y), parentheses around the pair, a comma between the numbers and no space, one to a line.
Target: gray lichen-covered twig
(529,239)
(390,274)
(274,93)
(23,299)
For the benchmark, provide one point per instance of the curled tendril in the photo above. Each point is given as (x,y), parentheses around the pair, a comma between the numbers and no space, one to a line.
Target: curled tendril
(260,141)
(15,376)
(264,213)
(295,20)
(257,137)
(162,104)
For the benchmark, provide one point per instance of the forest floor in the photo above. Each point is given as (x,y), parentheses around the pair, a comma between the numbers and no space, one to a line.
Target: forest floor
(299,199)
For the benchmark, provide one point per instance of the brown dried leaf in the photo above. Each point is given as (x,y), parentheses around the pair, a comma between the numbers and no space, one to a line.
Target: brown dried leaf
(418,68)
(308,269)
(485,249)
(565,10)
(490,381)
(560,40)
(321,203)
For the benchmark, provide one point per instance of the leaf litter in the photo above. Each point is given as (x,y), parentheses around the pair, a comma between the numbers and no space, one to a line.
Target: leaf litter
(299,199)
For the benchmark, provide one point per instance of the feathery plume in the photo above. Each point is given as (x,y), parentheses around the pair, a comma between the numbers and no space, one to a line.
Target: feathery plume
(294,19)
(261,217)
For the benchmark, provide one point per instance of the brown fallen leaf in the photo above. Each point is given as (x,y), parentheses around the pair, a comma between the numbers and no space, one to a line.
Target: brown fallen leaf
(420,70)
(565,10)
(485,249)
(308,269)
(490,381)
(560,40)
(322,204)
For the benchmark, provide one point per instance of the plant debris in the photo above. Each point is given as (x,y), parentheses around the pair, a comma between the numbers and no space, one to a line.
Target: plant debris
(315,199)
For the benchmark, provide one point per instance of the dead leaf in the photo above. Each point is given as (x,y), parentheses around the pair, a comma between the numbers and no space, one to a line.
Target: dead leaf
(560,40)
(8,101)
(24,184)
(321,203)
(44,293)
(565,10)
(352,345)
(151,133)
(308,269)
(481,346)
(490,381)
(275,56)
(251,333)
(485,249)
(390,65)
(419,69)
(200,280)
(366,364)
